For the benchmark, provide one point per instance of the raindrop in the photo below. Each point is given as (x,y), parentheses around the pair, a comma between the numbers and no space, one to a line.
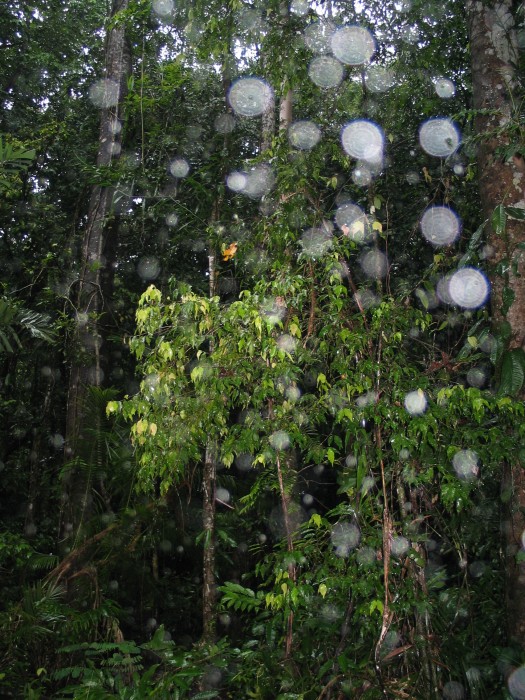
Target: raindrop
(465,463)
(316,241)
(163,8)
(442,289)
(57,441)
(308,499)
(236,181)
(367,399)
(179,167)
(366,556)
(440,225)
(250,97)
(148,267)
(225,123)
(412,177)
(274,310)
(30,530)
(172,220)
(374,264)
(345,537)
(368,484)
(404,454)
(104,93)
(299,7)
(366,299)
(243,462)
(363,139)
(468,288)
(46,372)
(452,690)
(179,549)
(439,137)
(351,461)
(115,127)
(250,21)
(476,376)
(286,343)
(151,623)
(399,546)
(353,45)
(293,394)
(362,175)
(379,79)
(304,135)
(477,569)
(318,35)
(259,181)
(113,585)
(222,494)
(444,88)
(262,537)
(353,222)
(326,71)
(165,546)
(280,440)
(416,402)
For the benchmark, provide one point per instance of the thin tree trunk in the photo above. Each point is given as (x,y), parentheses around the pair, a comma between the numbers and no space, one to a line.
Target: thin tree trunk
(501,181)
(95,272)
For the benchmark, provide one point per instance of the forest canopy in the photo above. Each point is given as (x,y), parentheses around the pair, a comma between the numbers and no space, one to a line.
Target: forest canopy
(262,349)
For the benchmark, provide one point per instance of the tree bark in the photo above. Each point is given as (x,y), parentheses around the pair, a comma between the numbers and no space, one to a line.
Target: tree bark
(501,181)
(96,270)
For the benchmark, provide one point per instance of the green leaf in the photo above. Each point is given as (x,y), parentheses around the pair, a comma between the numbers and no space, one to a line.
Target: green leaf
(507,297)
(516,213)
(499,219)
(512,372)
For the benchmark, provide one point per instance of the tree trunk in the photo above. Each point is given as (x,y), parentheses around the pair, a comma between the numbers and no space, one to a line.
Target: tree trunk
(494,57)
(96,269)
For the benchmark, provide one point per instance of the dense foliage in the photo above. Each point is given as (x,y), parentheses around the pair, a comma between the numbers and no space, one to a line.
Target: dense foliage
(287,475)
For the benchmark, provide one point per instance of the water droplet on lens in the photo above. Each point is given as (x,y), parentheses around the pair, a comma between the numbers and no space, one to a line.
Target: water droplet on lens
(440,225)
(148,267)
(476,376)
(444,88)
(225,123)
(304,134)
(353,45)
(318,35)
(316,242)
(379,79)
(374,264)
(104,93)
(250,97)
(236,181)
(465,463)
(299,7)
(345,537)
(163,8)
(222,494)
(400,546)
(280,440)
(363,139)
(326,71)
(452,690)
(439,137)
(416,402)
(179,167)
(468,288)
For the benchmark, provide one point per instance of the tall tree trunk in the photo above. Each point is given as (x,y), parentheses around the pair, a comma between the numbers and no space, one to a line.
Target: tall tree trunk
(96,257)
(501,181)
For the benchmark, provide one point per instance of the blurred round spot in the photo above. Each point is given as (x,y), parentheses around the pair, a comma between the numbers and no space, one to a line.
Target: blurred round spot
(366,556)
(465,463)
(318,36)
(57,441)
(351,461)
(439,137)
(308,499)
(442,289)
(280,440)
(444,88)
(113,585)
(404,454)
(353,222)
(225,123)
(165,546)
(363,139)
(374,264)
(172,220)
(274,310)
(299,7)
(362,176)
(236,181)
(379,79)
(368,484)
(476,377)
(104,93)
(286,343)
(440,225)
(249,21)
(179,549)
(409,35)
(468,288)
(452,690)
(326,71)
(416,402)
(366,299)
(225,619)
(353,45)
(412,177)
(345,537)
(244,461)
(316,241)
(163,8)
(293,394)
(262,537)
(399,546)
(477,569)
(151,623)
(30,530)
(148,267)
(304,135)
(259,181)
(46,372)
(250,97)
(179,167)
(222,494)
